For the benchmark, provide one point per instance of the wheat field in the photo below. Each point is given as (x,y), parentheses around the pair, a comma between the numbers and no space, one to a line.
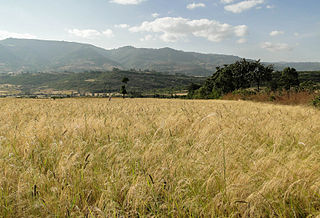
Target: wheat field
(158,158)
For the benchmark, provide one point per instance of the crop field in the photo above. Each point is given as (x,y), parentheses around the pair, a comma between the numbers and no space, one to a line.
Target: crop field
(158,158)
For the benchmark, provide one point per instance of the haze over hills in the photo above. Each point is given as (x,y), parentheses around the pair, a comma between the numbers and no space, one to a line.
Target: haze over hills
(170,60)
(21,55)
(40,55)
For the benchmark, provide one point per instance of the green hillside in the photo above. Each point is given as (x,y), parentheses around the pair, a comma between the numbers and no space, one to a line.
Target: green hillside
(99,81)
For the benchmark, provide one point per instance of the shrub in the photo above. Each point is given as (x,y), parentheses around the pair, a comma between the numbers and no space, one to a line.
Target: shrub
(244,92)
(215,94)
(272,98)
(316,101)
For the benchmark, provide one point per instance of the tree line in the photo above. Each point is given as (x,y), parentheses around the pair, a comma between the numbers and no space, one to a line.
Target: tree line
(246,74)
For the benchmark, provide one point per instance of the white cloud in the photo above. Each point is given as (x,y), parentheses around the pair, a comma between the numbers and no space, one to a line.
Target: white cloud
(172,29)
(195,5)
(276,46)
(122,26)
(241,30)
(108,33)
(90,33)
(306,35)
(6,34)
(243,6)
(85,33)
(226,1)
(147,38)
(242,41)
(154,15)
(127,2)
(270,6)
(276,33)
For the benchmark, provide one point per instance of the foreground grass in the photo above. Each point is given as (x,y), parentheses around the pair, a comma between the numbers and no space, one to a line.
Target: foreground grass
(132,157)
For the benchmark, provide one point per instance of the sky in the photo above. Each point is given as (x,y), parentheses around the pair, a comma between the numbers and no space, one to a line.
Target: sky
(270,30)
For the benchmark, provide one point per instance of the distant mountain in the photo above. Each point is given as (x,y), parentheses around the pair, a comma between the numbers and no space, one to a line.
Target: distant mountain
(40,55)
(21,55)
(170,60)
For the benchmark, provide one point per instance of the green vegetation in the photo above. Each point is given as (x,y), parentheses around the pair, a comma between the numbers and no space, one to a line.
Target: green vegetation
(316,101)
(313,76)
(240,75)
(123,89)
(246,78)
(289,78)
(100,82)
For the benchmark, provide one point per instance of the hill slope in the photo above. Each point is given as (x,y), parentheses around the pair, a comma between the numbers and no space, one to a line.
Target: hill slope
(39,55)
(170,60)
(18,55)
(97,81)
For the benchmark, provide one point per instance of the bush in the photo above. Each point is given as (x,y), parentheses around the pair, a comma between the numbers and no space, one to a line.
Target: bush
(316,101)
(273,98)
(244,92)
(215,94)
(309,86)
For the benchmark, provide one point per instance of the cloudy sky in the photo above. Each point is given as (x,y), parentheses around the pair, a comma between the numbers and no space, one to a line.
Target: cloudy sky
(271,30)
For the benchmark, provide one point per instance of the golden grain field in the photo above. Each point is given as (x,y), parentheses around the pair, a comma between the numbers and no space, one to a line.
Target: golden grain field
(160,158)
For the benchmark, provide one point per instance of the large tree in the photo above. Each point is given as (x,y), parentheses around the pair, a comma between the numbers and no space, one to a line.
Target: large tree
(259,73)
(123,91)
(289,78)
(240,75)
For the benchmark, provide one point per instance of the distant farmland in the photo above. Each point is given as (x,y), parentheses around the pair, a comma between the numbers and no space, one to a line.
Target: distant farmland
(98,81)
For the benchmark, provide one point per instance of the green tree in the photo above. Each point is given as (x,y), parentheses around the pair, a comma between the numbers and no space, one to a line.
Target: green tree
(123,91)
(125,80)
(260,73)
(224,80)
(289,78)
(275,82)
(191,89)
(240,75)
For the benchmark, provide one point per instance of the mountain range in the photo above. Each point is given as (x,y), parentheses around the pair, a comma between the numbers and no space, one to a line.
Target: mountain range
(29,55)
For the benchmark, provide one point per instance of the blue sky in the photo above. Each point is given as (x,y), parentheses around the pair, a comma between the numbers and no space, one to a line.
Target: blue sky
(271,30)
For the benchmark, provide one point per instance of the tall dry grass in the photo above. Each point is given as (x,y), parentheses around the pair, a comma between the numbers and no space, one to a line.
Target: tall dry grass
(133,157)
(291,98)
